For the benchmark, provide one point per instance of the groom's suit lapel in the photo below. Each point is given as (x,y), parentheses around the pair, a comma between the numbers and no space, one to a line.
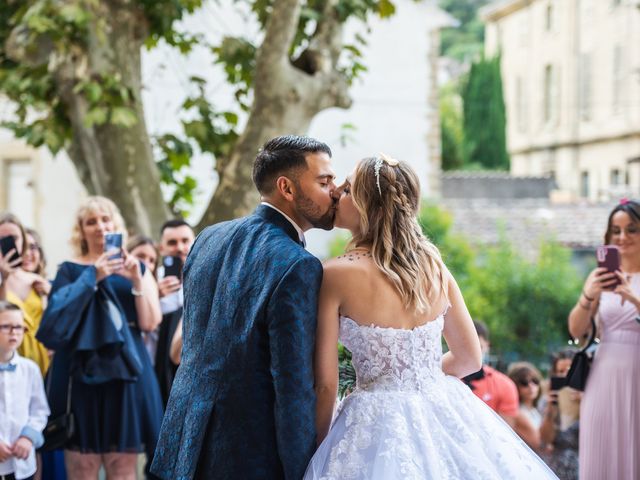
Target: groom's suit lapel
(271,215)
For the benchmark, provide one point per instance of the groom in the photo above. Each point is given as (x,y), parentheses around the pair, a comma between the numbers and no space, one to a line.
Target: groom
(242,404)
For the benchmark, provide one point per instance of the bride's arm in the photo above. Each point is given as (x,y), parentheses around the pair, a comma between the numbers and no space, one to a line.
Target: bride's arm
(464,356)
(326,354)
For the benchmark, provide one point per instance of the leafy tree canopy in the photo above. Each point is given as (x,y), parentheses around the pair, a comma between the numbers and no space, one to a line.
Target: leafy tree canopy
(46,45)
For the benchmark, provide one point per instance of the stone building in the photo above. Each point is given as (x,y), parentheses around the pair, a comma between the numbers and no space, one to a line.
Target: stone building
(571,78)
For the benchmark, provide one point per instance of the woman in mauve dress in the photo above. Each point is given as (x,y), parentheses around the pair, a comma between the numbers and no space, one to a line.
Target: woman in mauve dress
(610,408)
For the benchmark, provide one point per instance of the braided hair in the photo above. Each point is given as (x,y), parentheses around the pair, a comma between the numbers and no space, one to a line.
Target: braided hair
(386,194)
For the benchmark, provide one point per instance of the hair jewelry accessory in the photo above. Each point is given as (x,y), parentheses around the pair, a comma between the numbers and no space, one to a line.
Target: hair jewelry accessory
(383,157)
(624,201)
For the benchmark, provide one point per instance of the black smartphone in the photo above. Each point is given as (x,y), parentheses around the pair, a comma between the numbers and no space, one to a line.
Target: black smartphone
(609,257)
(172,266)
(113,241)
(7,244)
(557,383)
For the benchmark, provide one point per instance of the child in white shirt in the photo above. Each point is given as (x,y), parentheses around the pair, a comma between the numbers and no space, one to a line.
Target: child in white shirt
(23,404)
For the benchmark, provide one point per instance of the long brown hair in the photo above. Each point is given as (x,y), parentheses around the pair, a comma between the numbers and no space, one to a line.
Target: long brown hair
(630,207)
(386,193)
(42,265)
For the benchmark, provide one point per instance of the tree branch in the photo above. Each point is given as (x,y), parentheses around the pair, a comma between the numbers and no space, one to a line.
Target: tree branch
(280,31)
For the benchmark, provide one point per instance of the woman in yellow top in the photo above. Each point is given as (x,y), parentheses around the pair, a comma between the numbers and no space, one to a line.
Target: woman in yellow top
(20,285)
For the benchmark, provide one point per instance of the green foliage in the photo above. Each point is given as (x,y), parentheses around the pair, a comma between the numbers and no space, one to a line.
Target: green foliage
(338,245)
(67,31)
(346,372)
(50,28)
(484,116)
(524,303)
(464,42)
(174,158)
(238,58)
(212,130)
(216,131)
(451,128)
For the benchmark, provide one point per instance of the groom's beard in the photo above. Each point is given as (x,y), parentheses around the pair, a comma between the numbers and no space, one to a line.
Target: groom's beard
(314,214)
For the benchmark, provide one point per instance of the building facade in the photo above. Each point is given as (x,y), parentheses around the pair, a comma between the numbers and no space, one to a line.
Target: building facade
(571,80)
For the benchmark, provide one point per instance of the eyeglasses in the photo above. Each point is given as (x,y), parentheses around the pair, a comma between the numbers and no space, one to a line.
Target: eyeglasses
(526,382)
(6,328)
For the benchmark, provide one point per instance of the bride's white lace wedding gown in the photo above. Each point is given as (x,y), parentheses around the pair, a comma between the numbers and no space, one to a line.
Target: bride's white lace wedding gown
(406,419)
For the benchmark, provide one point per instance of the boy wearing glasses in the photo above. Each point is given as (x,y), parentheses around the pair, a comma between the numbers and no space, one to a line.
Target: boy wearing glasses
(23,403)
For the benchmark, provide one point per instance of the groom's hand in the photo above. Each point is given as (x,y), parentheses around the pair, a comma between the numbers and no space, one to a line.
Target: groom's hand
(169,285)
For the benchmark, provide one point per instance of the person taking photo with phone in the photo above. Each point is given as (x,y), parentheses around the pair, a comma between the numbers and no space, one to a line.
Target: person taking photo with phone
(609,432)
(100,303)
(26,289)
(176,239)
(560,427)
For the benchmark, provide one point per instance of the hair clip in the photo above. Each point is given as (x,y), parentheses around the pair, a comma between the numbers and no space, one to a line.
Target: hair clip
(624,201)
(383,157)
(376,170)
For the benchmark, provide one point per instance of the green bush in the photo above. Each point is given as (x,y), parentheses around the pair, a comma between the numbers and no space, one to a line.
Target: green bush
(524,303)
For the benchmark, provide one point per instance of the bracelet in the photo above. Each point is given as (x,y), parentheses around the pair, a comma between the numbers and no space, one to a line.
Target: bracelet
(587,297)
(137,293)
(587,308)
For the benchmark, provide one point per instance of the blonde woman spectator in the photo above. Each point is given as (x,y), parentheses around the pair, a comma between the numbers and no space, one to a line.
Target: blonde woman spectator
(118,411)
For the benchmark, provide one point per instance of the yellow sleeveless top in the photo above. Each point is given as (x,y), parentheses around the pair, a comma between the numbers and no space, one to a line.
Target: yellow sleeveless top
(32,309)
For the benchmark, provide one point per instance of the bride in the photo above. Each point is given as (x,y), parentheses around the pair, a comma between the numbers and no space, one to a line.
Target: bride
(389,300)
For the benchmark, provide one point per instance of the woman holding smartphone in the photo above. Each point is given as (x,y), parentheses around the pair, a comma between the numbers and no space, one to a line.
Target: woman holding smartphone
(609,418)
(24,288)
(115,419)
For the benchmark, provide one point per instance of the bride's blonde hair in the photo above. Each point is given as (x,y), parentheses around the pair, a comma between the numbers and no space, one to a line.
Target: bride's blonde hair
(386,194)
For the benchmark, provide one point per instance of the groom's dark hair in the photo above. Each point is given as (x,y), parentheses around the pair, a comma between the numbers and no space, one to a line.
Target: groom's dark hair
(283,155)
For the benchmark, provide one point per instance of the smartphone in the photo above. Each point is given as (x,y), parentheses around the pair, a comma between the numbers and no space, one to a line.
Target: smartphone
(609,257)
(172,266)
(6,245)
(113,241)
(557,383)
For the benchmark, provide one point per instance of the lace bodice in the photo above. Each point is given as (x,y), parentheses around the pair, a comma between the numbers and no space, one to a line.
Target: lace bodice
(394,359)
(407,420)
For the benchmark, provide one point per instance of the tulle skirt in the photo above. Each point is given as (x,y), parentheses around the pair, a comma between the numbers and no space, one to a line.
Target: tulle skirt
(445,432)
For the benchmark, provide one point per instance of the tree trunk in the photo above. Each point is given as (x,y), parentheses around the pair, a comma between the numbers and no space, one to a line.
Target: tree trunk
(285,101)
(115,161)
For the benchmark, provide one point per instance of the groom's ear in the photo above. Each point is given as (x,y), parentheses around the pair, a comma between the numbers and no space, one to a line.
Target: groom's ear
(285,188)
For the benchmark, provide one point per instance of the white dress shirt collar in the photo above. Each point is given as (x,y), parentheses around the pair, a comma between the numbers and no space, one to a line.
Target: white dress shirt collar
(295,225)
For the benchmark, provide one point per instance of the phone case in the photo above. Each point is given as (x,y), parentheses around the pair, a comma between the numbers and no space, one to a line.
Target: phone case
(6,245)
(113,241)
(172,266)
(609,257)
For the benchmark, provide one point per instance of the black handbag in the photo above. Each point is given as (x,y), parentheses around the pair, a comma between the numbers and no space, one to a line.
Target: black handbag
(581,364)
(59,430)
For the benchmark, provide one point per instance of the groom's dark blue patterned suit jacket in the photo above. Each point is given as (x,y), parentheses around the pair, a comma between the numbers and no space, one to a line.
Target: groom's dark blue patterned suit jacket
(242,404)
